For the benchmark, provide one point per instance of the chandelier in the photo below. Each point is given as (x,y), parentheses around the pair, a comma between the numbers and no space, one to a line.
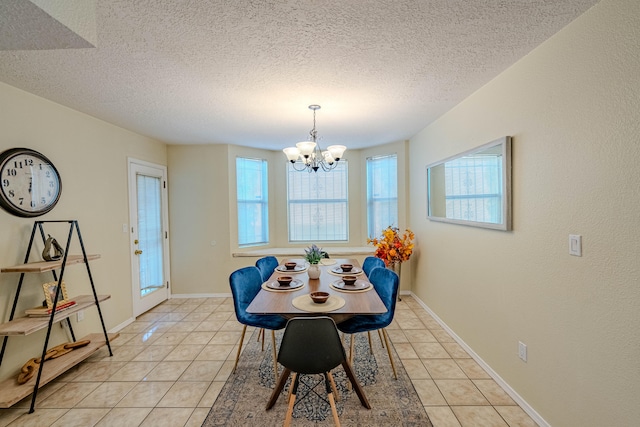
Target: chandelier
(308,155)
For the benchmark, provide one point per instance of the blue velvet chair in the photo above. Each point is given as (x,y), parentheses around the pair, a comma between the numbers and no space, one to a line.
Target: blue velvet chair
(370,263)
(266,266)
(385,282)
(245,284)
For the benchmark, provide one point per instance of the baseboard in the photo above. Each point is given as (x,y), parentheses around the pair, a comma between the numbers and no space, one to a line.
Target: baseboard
(200,295)
(510,391)
(122,325)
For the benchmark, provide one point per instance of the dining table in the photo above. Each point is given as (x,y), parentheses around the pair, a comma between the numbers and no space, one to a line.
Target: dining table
(293,300)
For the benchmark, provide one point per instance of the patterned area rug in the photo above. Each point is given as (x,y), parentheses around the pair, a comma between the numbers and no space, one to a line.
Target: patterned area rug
(243,398)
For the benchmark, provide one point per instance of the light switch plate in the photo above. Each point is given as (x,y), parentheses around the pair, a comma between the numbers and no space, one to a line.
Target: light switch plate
(575,244)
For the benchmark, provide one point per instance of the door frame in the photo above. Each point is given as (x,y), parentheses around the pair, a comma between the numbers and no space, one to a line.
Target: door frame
(132,184)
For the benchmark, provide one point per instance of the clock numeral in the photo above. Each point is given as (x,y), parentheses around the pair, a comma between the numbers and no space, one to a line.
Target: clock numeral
(12,172)
(21,199)
(47,173)
(43,201)
(52,184)
(5,182)
(33,204)
(12,194)
(28,162)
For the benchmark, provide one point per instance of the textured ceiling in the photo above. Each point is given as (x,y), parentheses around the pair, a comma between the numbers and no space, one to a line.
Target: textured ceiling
(243,72)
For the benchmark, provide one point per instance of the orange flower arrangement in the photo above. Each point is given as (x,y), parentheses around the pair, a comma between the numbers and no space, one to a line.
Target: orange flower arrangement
(391,247)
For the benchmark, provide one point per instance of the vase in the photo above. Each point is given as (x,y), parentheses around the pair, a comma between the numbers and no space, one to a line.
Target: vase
(314,271)
(396,267)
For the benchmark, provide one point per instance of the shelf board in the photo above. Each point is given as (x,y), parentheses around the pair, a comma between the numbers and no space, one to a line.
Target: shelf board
(11,392)
(42,266)
(29,325)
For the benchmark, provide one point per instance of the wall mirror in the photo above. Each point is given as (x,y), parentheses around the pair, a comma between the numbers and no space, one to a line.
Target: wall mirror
(473,188)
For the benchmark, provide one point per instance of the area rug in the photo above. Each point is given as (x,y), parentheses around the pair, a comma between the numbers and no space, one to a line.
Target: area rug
(243,398)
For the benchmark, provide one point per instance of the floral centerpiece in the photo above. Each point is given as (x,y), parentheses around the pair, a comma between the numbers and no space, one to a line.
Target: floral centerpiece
(392,247)
(314,254)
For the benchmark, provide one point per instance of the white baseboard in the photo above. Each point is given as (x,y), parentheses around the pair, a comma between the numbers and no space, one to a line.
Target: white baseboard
(510,391)
(122,325)
(200,295)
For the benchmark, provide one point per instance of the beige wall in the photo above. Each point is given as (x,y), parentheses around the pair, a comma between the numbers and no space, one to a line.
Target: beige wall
(573,109)
(91,156)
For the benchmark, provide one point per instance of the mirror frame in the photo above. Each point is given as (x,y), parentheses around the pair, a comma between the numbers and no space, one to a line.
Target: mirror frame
(506,224)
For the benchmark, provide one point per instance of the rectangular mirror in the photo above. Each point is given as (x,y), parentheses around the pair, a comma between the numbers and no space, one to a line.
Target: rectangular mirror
(473,188)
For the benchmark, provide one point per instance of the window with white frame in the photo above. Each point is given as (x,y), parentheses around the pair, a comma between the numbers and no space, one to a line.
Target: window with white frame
(253,201)
(382,193)
(318,204)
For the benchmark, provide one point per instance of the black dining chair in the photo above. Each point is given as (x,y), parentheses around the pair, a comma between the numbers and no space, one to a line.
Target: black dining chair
(266,265)
(370,263)
(311,345)
(385,283)
(245,284)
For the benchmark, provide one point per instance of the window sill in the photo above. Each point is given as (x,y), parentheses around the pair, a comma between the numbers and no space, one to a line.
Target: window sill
(334,252)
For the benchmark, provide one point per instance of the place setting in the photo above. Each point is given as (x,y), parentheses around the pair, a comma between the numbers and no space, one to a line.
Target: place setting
(283,284)
(293,267)
(318,302)
(346,269)
(350,283)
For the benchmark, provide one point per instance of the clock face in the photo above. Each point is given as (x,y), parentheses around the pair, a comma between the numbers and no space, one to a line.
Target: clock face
(30,184)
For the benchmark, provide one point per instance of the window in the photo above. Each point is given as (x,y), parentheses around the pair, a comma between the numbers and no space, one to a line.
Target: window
(382,193)
(318,204)
(253,201)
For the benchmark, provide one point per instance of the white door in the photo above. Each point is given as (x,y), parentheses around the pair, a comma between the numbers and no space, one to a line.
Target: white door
(148,217)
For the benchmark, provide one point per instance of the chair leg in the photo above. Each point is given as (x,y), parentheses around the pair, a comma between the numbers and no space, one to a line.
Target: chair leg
(333,386)
(352,348)
(292,401)
(244,330)
(381,339)
(275,356)
(263,332)
(332,401)
(393,366)
(370,346)
(279,386)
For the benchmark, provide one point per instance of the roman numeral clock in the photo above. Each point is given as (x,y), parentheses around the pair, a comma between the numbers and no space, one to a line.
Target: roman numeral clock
(31,184)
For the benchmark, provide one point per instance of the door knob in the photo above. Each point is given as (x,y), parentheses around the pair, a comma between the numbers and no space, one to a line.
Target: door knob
(135,242)
(138,252)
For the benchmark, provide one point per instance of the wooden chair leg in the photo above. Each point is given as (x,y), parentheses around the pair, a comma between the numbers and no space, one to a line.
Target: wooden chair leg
(334,410)
(287,418)
(293,380)
(393,366)
(370,347)
(279,386)
(244,330)
(333,386)
(352,348)
(328,383)
(275,355)
(263,332)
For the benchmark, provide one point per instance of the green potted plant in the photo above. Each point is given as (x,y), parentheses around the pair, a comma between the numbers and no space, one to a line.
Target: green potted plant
(313,255)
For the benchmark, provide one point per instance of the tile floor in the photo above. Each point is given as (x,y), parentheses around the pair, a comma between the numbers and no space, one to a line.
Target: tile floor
(170,364)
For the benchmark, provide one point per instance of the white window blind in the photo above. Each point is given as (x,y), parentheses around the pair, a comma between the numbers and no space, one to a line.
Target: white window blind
(253,201)
(382,193)
(318,204)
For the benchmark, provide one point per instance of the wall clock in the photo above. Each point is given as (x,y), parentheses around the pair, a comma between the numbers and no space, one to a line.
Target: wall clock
(31,184)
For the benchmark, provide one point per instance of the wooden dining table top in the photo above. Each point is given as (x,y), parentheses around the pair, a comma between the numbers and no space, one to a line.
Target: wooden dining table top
(268,302)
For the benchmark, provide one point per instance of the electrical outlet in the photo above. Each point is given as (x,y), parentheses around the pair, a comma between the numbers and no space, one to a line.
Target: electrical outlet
(522,351)
(80,316)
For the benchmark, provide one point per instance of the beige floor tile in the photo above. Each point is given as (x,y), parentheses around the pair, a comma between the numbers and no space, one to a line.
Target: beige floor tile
(184,395)
(417,335)
(415,369)
(120,417)
(208,325)
(167,417)
(196,316)
(154,353)
(215,352)
(43,393)
(145,338)
(202,371)
(184,326)
(226,337)
(232,325)
(173,317)
(225,371)
(167,371)
(199,337)
(133,371)
(125,353)
(197,417)
(41,417)
(150,317)
(472,369)
(494,393)
(442,336)
(69,395)
(515,416)
(444,369)
(405,351)
(184,308)
(123,339)
(106,395)
(461,392)
(396,336)
(455,350)
(442,416)
(136,327)
(170,338)
(146,394)
(430,350)
(429,393)
(184,352)
(7,415)
(221,316)
(97,371)
(81,417)
(406,324)
(478,416)
(211,394)
(163,326)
